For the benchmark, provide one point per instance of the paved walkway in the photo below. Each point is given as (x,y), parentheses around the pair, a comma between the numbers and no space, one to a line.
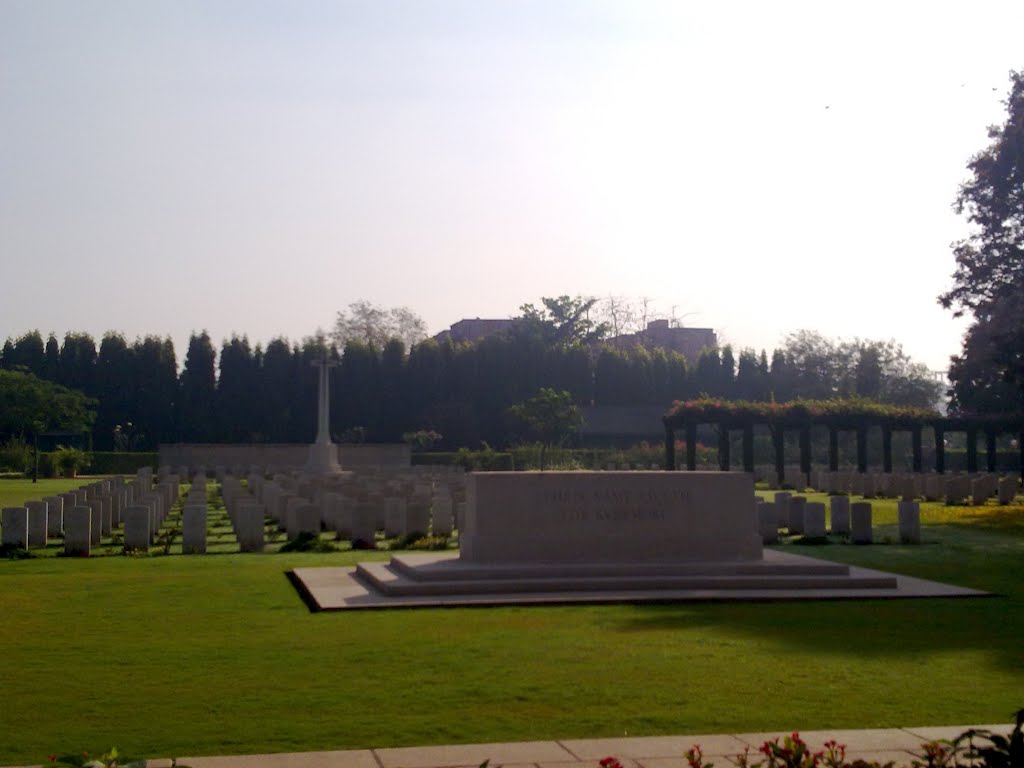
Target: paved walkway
(883,744)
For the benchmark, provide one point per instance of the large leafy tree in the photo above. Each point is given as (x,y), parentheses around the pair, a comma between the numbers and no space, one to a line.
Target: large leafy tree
(29,405)
(562,321)
(989,275)
(367,323)
(549,417)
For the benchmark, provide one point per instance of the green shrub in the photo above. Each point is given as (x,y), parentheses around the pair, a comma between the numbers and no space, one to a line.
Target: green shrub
(47,466)
(486,460)
(307,542)
(70,460)
(15,456)
(121,462)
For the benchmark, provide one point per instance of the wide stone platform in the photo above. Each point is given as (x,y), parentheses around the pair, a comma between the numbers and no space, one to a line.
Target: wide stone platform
(441,579)
(602,537)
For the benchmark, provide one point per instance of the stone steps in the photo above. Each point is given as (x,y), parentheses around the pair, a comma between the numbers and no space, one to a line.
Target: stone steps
(402,578)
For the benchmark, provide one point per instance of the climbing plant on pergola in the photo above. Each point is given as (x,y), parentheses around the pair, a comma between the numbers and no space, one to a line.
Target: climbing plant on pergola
(840,415)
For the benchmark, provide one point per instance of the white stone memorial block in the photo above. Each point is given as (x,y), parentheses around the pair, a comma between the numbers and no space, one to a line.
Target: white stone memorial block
(910,488)
(250,526)
(138,531)
(36,523)
(909,513)
(767,522)
(78,531)
(839,511)
(193,529)
(610,517)
(54,515)
(14,527)
(796,514)
(860,522)
(814,520)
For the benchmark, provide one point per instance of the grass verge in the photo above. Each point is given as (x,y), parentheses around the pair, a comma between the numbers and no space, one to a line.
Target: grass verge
(167,656)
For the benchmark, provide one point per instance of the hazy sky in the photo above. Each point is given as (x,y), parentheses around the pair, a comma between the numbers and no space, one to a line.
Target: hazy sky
(253,167)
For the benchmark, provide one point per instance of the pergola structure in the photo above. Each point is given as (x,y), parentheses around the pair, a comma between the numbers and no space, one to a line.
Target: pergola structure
(837,416)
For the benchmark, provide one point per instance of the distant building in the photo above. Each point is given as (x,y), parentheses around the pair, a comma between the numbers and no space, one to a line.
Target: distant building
(689,342)
(473,330)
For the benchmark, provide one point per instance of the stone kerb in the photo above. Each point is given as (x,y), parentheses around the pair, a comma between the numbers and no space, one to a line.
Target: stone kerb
(14,527)
(610,517)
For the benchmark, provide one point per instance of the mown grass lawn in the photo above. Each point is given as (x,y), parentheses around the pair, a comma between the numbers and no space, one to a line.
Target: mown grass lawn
(16,491)
(175,655)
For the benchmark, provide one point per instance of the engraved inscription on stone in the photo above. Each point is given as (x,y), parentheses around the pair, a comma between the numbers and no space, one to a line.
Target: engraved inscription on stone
(610,504)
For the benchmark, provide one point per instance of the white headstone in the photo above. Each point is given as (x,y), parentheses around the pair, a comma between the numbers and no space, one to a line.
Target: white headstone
(860,522)
(909,513)
(814,520)
(14,527)
(193,529)
(138,532)
(839,509)
(78,531)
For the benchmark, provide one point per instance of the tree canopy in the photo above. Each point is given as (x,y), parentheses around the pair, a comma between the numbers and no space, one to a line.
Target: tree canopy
(562,321)
(368,323)
(989,278)
(29,405)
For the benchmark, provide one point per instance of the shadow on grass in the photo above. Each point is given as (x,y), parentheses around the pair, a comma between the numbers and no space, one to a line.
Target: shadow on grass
(965,554)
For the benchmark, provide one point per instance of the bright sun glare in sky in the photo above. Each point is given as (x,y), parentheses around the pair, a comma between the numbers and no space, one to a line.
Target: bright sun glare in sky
(253,167)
